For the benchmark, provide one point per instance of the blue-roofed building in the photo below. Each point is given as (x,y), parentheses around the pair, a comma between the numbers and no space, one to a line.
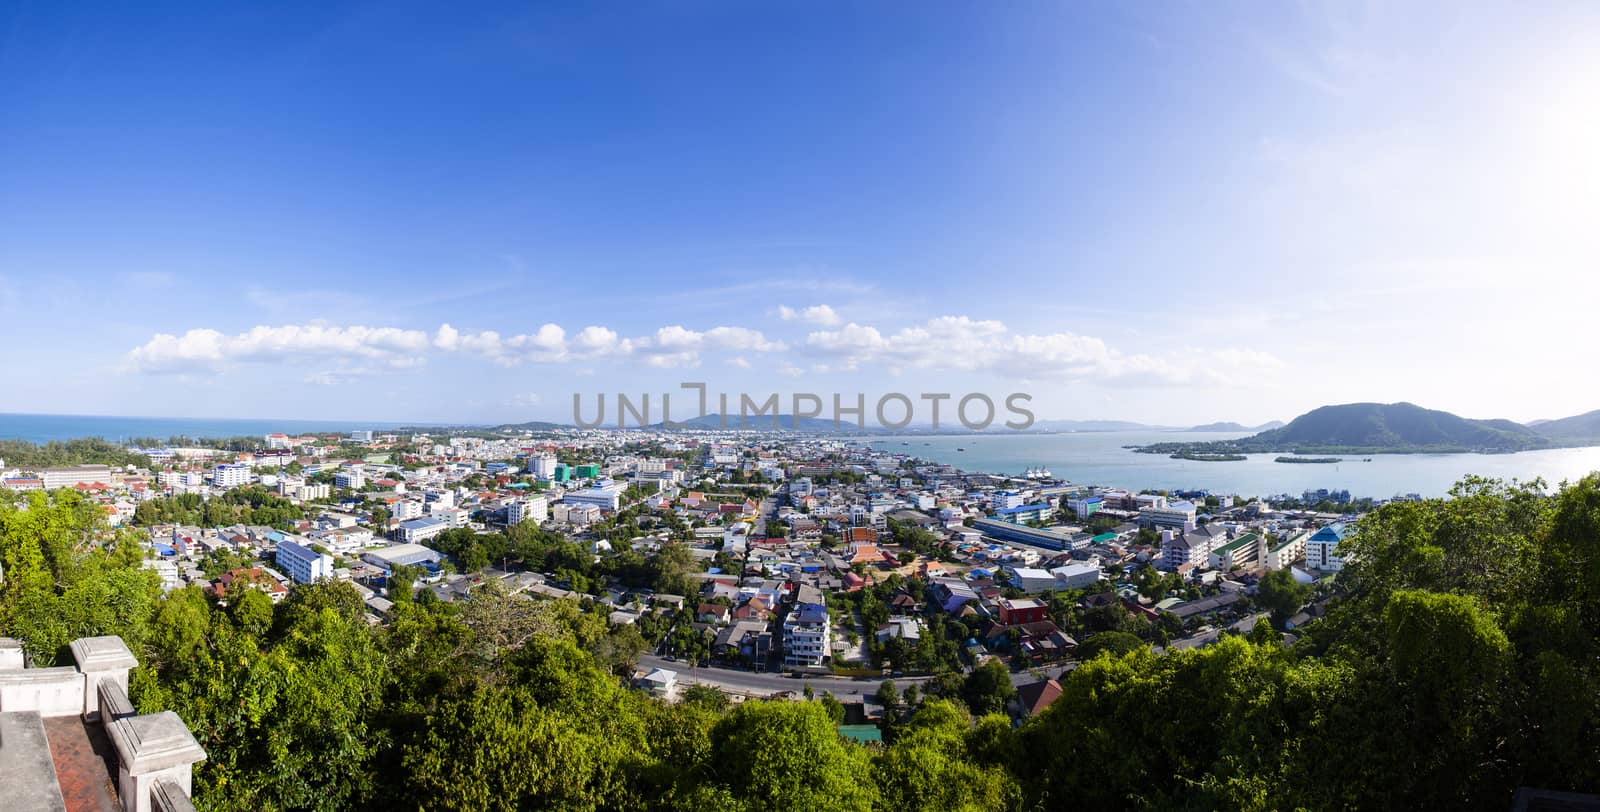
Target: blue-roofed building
(1020,534)
(1025,514)
(1322,549)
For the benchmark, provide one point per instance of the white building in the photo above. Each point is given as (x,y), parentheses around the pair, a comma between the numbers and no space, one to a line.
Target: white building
(230,476)
(417,531)
(534,508)
(807,630)
(605,497)
(1286,551)
(405,509)
(542,466)
(303,564)
(53,478)
(278,441)
(351,478)
(1177,514)
(1077,575)
(1322,549)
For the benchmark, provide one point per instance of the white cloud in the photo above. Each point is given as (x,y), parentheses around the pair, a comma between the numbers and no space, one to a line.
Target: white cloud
(816,314)
(964,343)
(211,349)
(738,361)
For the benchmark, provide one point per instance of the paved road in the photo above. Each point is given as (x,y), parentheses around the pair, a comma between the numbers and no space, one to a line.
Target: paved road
(769,683)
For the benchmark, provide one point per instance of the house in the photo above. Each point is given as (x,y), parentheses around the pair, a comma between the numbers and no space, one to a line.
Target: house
(715,614)
(1033,698)
(660,682)
(904,628)
(1022,610)
(253,577)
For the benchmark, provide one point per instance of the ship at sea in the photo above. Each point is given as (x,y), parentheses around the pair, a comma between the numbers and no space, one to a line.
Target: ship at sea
(1040,472)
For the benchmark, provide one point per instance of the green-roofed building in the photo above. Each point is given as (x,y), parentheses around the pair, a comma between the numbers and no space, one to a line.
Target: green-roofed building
(1242,550)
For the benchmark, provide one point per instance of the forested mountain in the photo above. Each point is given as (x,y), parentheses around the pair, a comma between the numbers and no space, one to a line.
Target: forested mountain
(1585,426)
(1457,661)
(1378,428)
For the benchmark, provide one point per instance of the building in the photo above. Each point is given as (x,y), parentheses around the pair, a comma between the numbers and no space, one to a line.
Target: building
(1002,500)
(361,436)
(1180,515)
(1086,506)
(279,440)
(1022,610)
(542,466)
(1077,575)
(534,508)
(807,631)
(1286,551)
(303,564)
(351,478)
(1322,549)
(1189,547)
(1026,514)
(417,531)
(1242,550)
(1020,534)
(587,471)
(605,497)
(401,555)
(230,476)
(53,478)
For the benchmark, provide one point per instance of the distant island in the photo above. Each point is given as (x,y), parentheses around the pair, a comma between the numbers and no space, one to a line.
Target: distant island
(1310,460)
(1198,457)
(1395,428)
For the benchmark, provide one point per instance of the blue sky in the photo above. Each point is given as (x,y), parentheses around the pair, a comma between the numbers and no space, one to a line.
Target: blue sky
(1163,212)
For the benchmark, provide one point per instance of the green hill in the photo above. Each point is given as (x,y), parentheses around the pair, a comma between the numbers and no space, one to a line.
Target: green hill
(1585,426)
(1354,428)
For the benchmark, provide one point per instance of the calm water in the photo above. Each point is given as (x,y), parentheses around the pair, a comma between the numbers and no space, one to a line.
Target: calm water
(1100,459)
(41,428)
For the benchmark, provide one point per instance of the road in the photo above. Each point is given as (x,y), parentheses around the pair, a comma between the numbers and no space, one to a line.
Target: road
(749,682)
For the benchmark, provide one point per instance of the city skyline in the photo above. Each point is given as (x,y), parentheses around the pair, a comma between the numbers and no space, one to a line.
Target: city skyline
(1172,216)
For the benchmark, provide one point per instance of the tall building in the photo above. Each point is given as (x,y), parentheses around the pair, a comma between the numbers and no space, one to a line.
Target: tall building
(303,564)
(807,631)
(351,478)
(1322,549)
(230,476)
(534,508)
(361,436)
(542,465)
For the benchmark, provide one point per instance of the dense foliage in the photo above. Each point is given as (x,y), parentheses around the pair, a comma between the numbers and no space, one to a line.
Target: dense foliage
(86,451)
(1456,662)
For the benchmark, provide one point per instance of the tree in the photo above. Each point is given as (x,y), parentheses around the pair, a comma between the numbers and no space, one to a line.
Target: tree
(988,688)
(1115,643)
(787,755)
(1279,593)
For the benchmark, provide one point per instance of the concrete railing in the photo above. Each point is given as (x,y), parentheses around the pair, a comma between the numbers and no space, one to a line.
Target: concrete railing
(156,753)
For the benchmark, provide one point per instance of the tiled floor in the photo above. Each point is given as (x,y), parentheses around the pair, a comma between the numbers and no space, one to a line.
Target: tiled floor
(86,764)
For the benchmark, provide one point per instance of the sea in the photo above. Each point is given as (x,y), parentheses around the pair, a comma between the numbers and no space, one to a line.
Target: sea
(43,428)
(1100,458)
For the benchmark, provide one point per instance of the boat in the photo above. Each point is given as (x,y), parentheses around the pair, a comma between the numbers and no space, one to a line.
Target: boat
(961,449)
(1037,473)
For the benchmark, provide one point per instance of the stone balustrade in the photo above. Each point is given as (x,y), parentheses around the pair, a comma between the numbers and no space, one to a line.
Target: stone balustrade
(156,753)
